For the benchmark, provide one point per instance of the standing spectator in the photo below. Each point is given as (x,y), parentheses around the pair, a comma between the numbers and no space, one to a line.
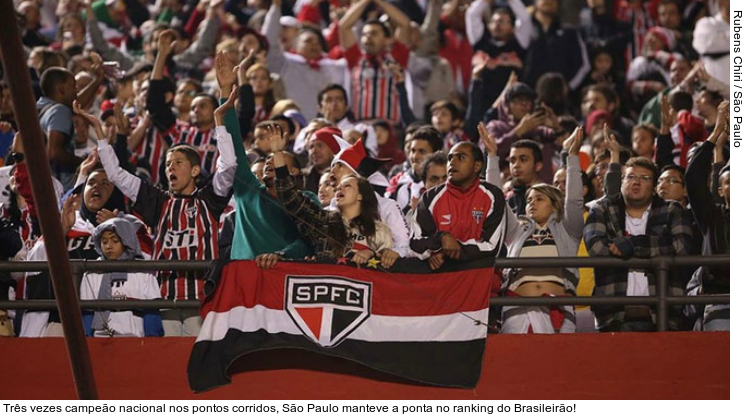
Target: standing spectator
(601,30)
(322,146)
(333,105)
(55,118)
(679,74)
(373,91)
(635,223)
(552,228)
(165,212)
(199,133)
(648,73)
(187,57)
(555,49)
(525,164)
(604,97)
(524,121)
(639,15)
(501,48)
(307,70)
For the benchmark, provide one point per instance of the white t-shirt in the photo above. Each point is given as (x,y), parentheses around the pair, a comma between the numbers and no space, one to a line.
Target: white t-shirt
(138,286)
(637,280)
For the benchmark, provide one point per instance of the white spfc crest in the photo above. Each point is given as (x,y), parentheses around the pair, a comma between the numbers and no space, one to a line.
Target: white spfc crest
(327,308)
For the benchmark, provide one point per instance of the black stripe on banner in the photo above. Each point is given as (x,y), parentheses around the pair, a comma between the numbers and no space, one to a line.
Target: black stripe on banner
(449,364)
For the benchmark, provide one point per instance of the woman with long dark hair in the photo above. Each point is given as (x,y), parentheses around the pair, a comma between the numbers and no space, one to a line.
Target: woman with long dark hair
(355,228)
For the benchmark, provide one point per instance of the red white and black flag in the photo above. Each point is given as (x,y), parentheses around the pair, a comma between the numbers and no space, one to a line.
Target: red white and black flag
(410,322)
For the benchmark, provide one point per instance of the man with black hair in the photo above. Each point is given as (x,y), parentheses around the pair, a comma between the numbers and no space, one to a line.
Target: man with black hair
(526,121)
(373,92)
(199,132)
(55,118)
(502,43)
(447,118)
(604,97)
(185,219)
(554,48)
(635,223)
(307,69)
(409,184)
(333,105)
(186,91)
(525,163)
(462,219)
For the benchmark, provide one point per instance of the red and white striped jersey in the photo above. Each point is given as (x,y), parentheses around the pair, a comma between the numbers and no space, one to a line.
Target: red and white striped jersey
(205,143)
(186,228)
(373,92)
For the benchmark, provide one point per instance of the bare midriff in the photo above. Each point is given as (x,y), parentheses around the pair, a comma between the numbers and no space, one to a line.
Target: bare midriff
(540,288)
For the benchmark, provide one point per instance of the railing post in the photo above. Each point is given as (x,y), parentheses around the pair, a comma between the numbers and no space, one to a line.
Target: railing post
(662,286)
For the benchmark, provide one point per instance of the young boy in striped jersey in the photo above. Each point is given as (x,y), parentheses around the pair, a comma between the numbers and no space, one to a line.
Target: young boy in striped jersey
(185,218)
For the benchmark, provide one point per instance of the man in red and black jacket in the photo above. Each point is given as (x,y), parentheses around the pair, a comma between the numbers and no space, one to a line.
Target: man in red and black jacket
(462,219)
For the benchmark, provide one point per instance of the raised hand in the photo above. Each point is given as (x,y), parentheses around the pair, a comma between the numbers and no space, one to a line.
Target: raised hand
(277,141)
(667,115)
(488,141)
(104,215)
(722,119)
(573,143)
(89,163)
(612,144)
(244,66)
(123,126)
(226,75)
(69,208)
(167,42)
(92,120)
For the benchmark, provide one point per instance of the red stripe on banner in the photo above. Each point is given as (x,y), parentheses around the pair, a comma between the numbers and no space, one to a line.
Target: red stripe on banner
(313,318)
(394,294)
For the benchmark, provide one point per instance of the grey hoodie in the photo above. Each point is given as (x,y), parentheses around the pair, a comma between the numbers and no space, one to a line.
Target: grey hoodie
(126,230)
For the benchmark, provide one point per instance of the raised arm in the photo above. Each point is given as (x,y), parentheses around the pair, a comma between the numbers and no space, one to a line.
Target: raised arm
(100,45)
(346,25)
(223,178)
(474,25)
(401,21)
(275,58)
(206,38)
(522,24)
(573,219)
(612,179)
(160,112)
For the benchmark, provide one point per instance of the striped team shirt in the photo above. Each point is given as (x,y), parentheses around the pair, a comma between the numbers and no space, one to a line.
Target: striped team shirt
(373,92)
(149,156)
(186,228)
(205,143)
(641,19)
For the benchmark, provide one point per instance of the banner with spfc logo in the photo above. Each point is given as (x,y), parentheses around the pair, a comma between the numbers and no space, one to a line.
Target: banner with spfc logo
(425,326)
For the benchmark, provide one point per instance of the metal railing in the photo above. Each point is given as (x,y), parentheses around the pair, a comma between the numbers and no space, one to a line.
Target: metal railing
(661,267)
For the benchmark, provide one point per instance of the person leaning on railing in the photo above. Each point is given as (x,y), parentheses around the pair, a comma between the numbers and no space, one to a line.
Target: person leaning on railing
(635,223)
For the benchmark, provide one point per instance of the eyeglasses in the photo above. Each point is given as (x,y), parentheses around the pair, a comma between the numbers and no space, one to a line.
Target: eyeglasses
(632,178)
(670,180)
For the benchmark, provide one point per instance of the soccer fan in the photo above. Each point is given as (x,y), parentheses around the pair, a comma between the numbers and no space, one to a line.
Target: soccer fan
(323,145)
(525,164)
(408,185)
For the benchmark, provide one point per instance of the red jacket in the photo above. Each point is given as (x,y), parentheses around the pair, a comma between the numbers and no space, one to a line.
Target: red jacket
(473,216)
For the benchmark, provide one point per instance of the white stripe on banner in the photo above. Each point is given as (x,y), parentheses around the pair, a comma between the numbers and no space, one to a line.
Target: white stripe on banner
(377,328)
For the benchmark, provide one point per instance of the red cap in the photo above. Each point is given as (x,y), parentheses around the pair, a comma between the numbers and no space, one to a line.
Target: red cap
(328,136)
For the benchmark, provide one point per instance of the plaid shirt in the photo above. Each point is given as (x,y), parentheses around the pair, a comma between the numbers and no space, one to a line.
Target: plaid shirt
(668,232)
(316,224)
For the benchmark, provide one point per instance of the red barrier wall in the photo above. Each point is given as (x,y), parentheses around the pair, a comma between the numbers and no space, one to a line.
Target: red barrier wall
(580,366)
